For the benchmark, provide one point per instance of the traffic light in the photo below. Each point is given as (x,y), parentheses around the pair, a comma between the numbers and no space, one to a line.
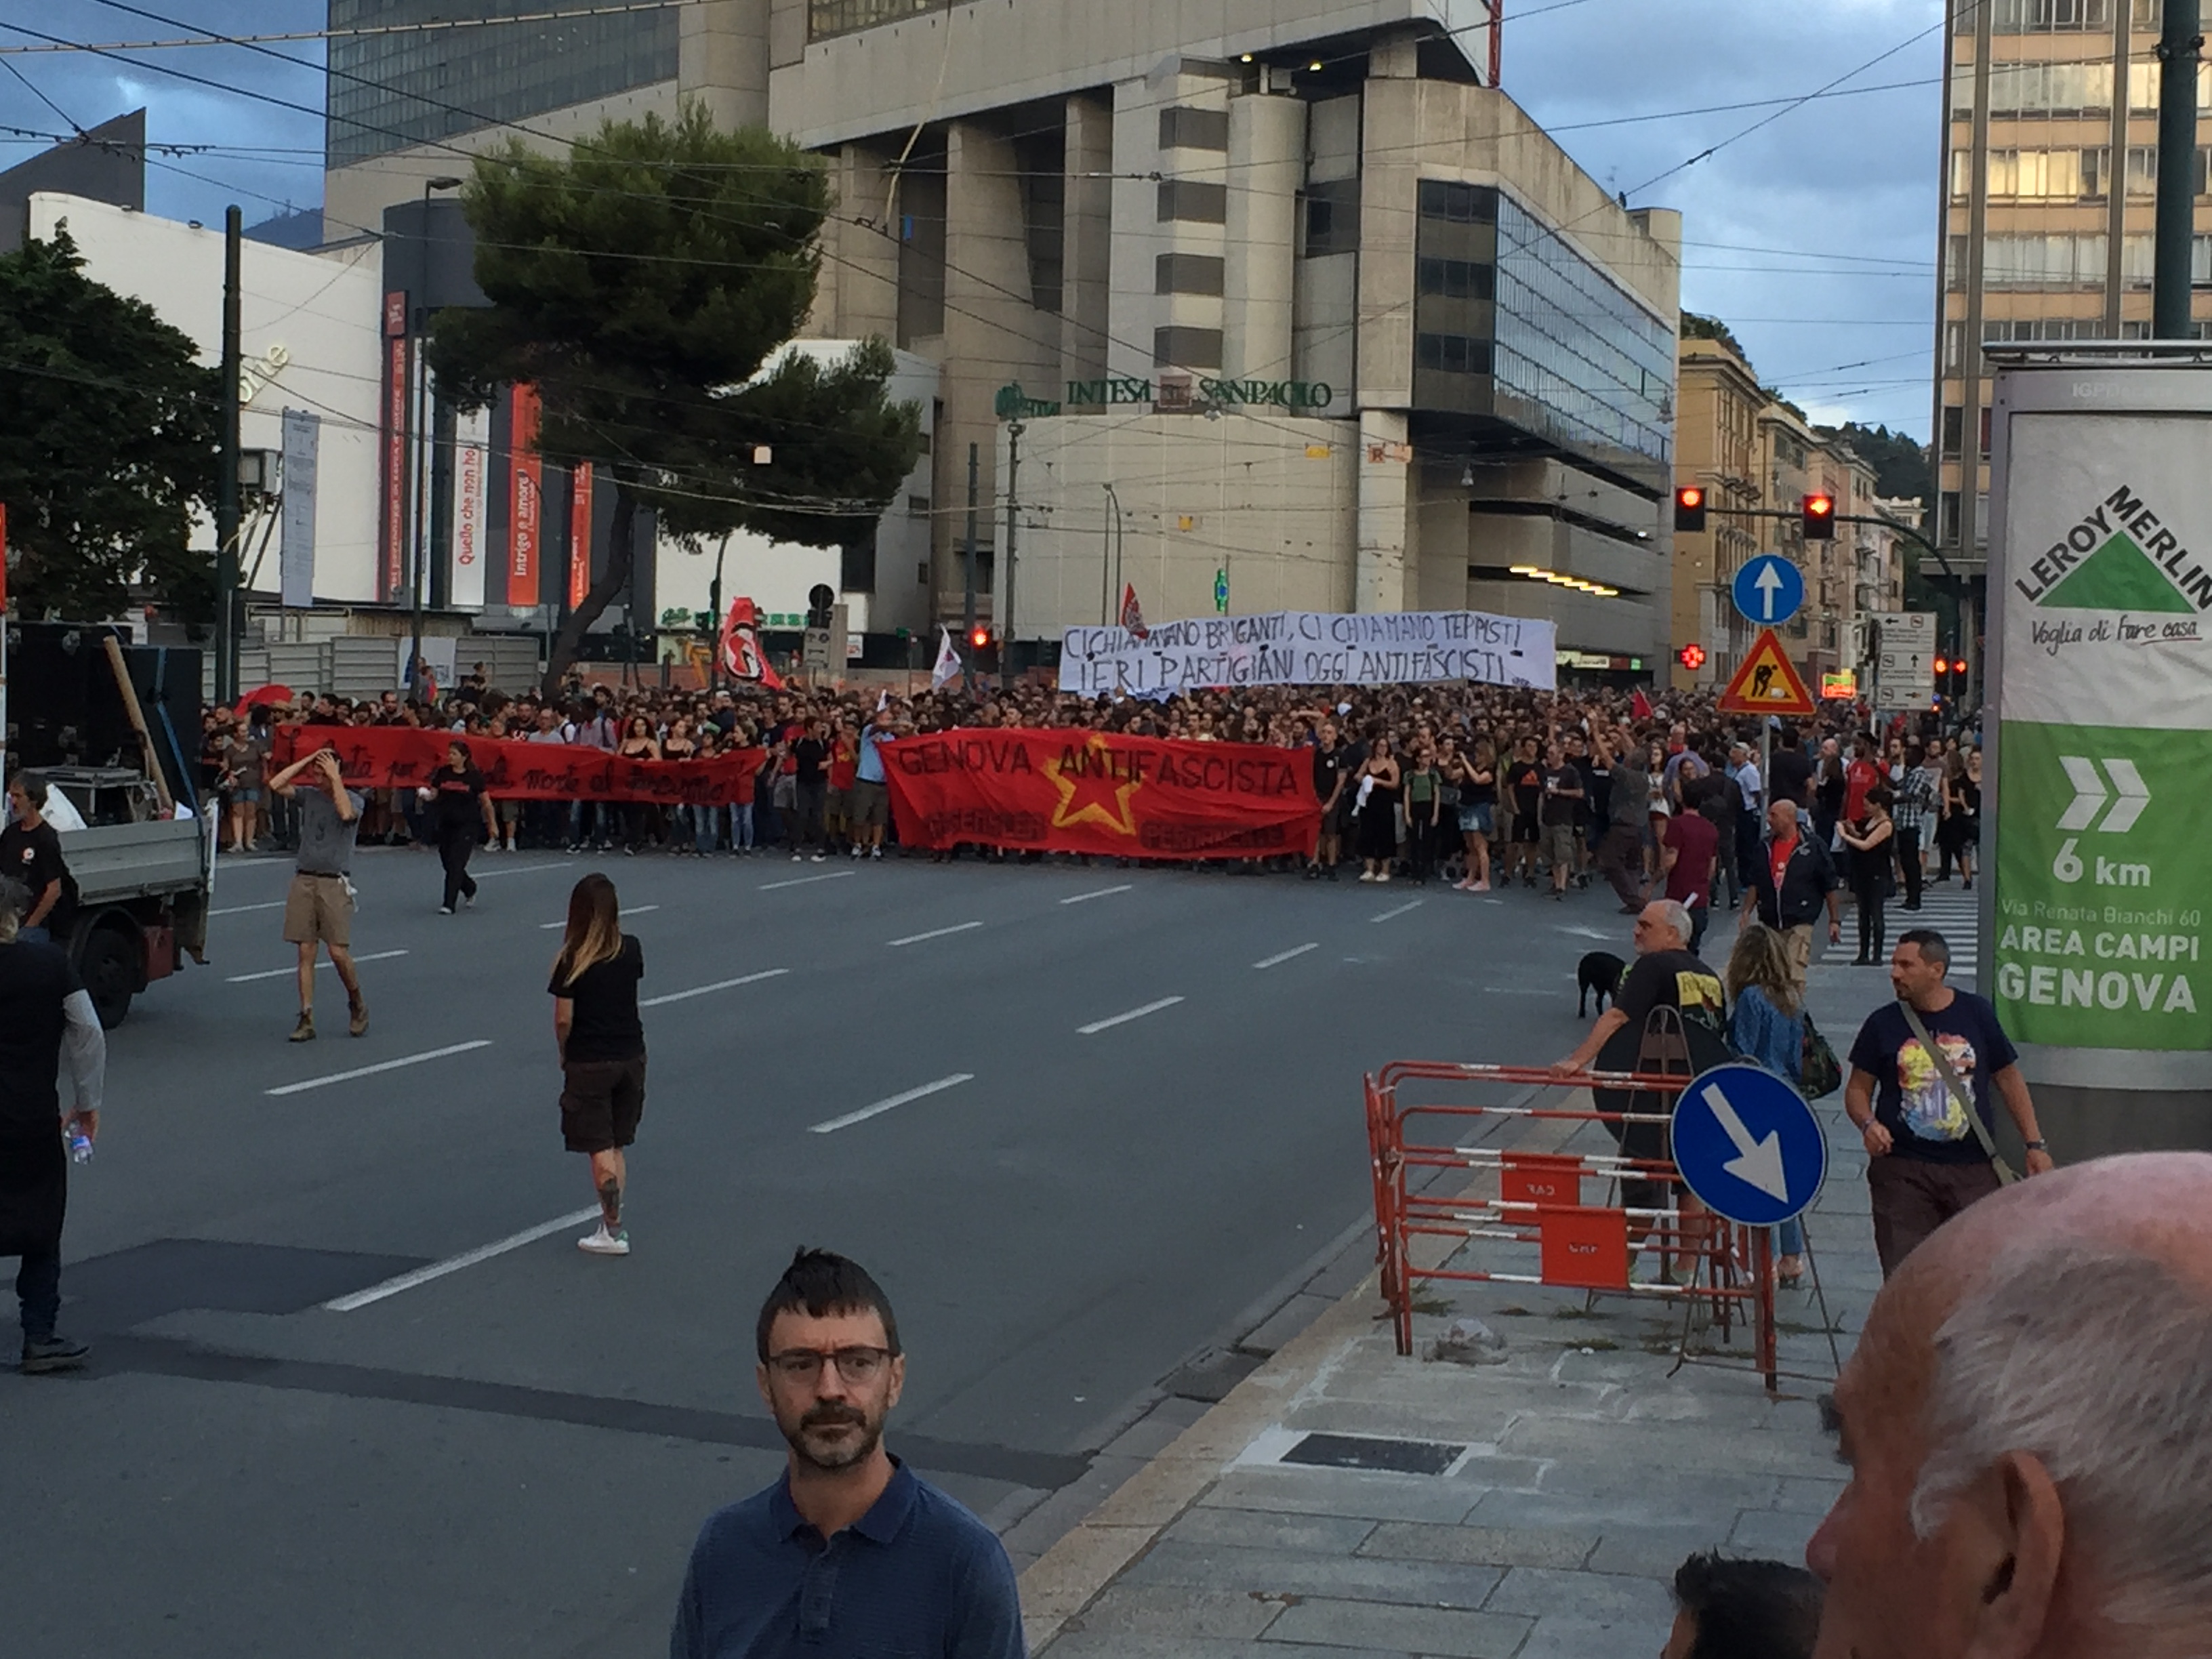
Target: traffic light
(1820,518)
(1690,510)
(1692,656)
(821,599)
(978,638)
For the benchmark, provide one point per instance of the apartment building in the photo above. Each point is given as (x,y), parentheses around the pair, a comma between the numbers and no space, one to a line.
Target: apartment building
(1338,323)
(2051,164)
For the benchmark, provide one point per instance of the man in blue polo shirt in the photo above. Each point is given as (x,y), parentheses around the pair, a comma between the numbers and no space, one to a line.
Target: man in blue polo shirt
(850,1552)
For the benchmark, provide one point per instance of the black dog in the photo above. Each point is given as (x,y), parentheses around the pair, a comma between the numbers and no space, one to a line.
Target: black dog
(1599,971)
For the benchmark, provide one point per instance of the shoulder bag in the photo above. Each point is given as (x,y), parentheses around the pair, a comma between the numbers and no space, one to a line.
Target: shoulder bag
(1818,1072)
(2006,1173)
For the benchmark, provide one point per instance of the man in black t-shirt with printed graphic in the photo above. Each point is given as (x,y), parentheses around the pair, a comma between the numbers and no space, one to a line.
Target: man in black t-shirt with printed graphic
(1925,1161)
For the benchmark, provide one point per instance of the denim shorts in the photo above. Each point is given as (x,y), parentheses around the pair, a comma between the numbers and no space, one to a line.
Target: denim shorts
(1477,819)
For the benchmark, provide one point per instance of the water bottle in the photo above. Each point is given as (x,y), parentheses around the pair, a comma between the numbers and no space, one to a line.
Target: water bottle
(80,1145)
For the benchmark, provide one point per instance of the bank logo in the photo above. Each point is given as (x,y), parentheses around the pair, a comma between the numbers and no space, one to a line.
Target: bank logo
(2120,555)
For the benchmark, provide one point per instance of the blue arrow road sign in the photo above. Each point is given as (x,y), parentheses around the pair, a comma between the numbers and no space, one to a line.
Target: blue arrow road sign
(1769,589)
(1748,1146)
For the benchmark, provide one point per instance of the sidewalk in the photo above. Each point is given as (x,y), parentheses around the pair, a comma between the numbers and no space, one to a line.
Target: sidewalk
(1574,1476)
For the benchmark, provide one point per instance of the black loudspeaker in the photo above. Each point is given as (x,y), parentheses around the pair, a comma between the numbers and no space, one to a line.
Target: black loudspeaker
(62,700)
(167,680)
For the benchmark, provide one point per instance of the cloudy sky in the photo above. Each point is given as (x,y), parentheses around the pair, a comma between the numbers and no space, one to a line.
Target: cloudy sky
(1814,236)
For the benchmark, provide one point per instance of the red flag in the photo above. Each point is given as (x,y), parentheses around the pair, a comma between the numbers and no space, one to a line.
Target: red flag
(1132,616)
(1639,706)
(580,534)
(742,656)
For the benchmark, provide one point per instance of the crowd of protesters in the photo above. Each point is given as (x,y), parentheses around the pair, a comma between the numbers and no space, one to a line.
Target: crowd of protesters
(1471,784)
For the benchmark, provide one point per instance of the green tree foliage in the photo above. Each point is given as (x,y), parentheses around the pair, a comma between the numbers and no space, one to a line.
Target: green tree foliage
(641,282)
(1697,327)
(1899,461)
(108,433)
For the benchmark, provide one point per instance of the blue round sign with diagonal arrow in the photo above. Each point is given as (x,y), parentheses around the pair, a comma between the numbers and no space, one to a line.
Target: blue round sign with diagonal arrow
(1769,590)
(1749,1146)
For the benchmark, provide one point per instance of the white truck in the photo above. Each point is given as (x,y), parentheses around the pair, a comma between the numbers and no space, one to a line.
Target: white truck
(144,881)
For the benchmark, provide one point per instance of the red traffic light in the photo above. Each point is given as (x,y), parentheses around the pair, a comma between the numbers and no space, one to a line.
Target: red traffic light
(979,637)
(1819,517)
(1692,656)
(1690,495)
(1690,509)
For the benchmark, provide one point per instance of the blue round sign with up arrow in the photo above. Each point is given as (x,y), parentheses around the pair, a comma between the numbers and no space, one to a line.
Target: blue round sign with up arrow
(1748,1144)
(1768,590)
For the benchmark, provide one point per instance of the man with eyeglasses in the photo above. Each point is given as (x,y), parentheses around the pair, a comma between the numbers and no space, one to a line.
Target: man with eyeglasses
(850,1551)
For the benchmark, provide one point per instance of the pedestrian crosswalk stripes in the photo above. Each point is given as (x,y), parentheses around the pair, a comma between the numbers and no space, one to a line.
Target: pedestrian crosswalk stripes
(1951,911)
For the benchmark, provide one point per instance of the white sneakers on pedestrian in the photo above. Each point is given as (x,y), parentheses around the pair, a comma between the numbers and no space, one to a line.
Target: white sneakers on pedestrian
(604,1243)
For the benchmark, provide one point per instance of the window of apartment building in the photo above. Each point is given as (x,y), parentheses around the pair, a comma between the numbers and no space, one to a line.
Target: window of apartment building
(1187,273)
(856,563)
(1180,346)
(1454,354)
(1184,128)
(2143,169)
(2039,17)
(2037,175)
(1190,202)
(1331,217)
(1466,204)
(826,18)
(1042,161)
(1955,429)
(1458,279)
(2028,262)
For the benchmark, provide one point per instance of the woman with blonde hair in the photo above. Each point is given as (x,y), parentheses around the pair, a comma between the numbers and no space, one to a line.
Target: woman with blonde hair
(601,1043)
(1767,1024)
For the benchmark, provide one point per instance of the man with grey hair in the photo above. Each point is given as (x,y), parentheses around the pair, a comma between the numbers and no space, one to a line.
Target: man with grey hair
(42,1009)
(1793,879)
(2028,1423)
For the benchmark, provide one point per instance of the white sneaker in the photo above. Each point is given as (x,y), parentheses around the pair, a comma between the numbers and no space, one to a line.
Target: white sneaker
(819,857)
(604,1243)
(1367,875)
(795,858)
(875,852)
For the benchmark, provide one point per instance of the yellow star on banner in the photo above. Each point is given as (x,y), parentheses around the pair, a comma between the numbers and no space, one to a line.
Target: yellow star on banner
(1104,798)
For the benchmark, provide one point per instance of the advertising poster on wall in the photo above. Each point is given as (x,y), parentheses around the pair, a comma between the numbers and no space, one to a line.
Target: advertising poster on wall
(580,533)
(526,502)
(295,558)
(2103,868)
(470,504)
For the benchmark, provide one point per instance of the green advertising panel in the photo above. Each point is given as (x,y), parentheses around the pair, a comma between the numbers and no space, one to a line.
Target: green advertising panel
(2103,871)
(2102,864)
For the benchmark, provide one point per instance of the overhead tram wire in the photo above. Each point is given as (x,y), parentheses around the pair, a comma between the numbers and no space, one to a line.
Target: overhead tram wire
(992,322)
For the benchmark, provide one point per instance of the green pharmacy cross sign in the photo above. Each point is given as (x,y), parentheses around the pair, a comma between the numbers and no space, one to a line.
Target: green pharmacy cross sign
(1221,592)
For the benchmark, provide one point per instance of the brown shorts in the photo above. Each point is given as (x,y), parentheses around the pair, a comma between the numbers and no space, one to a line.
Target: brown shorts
(318,908)
(601,1100)
(871,805)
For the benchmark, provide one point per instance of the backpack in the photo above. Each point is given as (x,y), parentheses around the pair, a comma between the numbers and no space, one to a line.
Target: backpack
(1818,1072)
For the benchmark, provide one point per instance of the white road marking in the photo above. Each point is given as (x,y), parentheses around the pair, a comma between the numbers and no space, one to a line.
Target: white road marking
(832,1125)
(286,973)
(936,933)
(801,881)
(628,910)
(1413,905)
(1098,1025)
(718,985)
(381,1066)
(241,909)
(454,1264)
(483,874)
(1281,957)
(1103,892)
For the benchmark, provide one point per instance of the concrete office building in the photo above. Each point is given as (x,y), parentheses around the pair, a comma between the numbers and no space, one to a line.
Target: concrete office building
(2051,167)
(1325,308)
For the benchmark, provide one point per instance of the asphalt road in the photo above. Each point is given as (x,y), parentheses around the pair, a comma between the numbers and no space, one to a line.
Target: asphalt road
(1082,1122)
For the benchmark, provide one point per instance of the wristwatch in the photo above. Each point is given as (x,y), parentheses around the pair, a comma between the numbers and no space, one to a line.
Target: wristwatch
(2038,1146)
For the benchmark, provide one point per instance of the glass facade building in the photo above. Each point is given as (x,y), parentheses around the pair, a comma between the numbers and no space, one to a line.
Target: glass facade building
(417,86)
(1512,322)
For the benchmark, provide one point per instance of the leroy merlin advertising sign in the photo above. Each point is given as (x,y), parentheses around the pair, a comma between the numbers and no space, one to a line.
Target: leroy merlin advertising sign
(2103,861)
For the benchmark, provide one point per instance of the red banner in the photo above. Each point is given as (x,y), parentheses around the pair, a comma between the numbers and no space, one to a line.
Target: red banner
(1090,791)
(402,756)
(580,533)
(393,582)
(526,499)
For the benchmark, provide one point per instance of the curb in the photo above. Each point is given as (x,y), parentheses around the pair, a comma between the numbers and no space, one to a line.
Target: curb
(1113,1537)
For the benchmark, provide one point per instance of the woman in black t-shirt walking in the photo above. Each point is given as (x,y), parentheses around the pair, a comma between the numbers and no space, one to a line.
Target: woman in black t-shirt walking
(455,796)
(601,1043)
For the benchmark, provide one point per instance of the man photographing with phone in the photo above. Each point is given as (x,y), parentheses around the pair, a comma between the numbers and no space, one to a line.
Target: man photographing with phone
(319,909)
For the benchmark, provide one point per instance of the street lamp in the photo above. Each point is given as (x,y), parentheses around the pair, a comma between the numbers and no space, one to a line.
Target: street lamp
(413,676)
(1112,587)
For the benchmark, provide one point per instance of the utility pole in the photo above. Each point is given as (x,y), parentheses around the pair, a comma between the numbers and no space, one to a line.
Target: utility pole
(2178,48)
(1006,575)
(714,599)
(1111,582)
(967,576)
(226,483)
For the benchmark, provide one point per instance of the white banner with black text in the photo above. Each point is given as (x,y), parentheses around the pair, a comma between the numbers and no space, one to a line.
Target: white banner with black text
(1311,647)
